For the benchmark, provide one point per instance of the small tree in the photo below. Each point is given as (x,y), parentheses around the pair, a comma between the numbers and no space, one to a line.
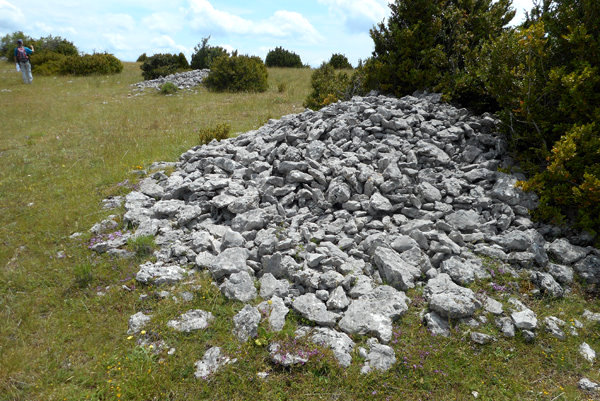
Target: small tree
(161,65)
(204,55)
(283,58)
(237,74)
(340,62)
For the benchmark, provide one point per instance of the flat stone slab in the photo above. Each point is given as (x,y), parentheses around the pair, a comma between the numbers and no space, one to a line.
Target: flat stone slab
(192,320)
(158,273)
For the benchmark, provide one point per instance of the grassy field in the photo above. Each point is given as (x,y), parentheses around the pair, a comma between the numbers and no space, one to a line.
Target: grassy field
(68,142)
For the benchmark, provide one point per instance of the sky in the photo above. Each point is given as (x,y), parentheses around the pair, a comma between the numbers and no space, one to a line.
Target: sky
(313,29)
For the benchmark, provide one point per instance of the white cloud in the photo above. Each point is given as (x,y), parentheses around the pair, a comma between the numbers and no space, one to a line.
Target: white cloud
(11,18)
(359,15)
(203,16)
(166,43)
(163,22)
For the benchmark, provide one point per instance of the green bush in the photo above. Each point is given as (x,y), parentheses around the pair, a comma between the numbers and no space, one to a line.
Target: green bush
(237,74)
(340,62)
(218,132)
(327,87)
(47,63)
(283,58)
(168,88)
(161,65)
(204,54)
(89,64)
(141,58)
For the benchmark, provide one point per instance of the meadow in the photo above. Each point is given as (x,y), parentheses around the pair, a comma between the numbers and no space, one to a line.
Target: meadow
(66,143)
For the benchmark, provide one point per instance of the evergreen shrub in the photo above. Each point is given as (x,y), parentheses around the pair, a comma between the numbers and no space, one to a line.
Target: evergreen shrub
(283,58)
(161,65)
(237,74)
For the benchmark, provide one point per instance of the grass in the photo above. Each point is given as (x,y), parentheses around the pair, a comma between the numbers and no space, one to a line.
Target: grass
(68,142)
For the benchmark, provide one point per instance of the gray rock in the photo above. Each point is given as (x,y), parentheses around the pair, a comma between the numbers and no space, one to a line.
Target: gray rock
(464,220)
(525,319)
(380,203)
(195,319)
(374,312)
(313,309)
(437,325)
(481,339)
(462,271)
(270,286)
(239,286)
(251,220)
(589,269)
(230,261)
(506,326)
(280,356)
(548,285)
(339,191)
(380,357)
(394,269)
(137,322)
(158,273)
(566,253)
(245,323)
(505,191)
(562,274)
(429,192)
(492,306)
(338,299)
(339,343)
(449,299)
(213,360)
(276,311)
(587,352)
(587,385)
(553,327)
(591,316)
(232,239)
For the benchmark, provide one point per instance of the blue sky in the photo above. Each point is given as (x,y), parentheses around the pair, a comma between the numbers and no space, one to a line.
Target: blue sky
(314,29)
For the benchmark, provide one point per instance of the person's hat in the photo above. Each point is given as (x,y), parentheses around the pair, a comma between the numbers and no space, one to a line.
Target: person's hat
(19,40)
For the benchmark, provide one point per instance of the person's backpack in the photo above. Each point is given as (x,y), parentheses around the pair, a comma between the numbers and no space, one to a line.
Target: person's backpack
(22,55)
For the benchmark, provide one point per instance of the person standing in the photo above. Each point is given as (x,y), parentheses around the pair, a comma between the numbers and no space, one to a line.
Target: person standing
(22,59)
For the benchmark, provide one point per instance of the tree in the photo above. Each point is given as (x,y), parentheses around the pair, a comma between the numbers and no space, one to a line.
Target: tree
(204,54)
(426,45)
(283,58)
(340,62)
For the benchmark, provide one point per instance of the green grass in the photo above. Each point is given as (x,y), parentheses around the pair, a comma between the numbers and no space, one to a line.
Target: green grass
(68,142)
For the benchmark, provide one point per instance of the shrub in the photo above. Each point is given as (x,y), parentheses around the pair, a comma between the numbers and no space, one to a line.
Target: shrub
(56,44)
(237,73)
(340,62)
(161,65)
(204,54)
(168,88)
(9,41)
(47,63)
(327,87)
(218,132)
(88,64)
(283,58)
(142,58)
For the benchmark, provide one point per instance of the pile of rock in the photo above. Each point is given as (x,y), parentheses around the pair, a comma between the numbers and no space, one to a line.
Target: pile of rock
(323,208)
(183,80)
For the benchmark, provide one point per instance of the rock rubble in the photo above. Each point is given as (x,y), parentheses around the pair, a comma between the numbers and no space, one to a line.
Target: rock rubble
(337,213)
(183,80)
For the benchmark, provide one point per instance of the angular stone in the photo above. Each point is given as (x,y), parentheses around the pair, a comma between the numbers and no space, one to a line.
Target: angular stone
(562,274)
(232,239)
(374,312)
(137,322)
(437,325)
(276,311)
(239,286)
(251,220)
(380,203)
(339,343)
(195,319)
(230,261)
(525,319)
(548,285)
(313,309)
(158,273)
(553,327)
(481,339)
(338,299)
(212,361)
(270,286)
(394,270)
(380,357)
(589,269)
(566,253)
(587,352)
(449,299)
(464,220)
(245,323)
